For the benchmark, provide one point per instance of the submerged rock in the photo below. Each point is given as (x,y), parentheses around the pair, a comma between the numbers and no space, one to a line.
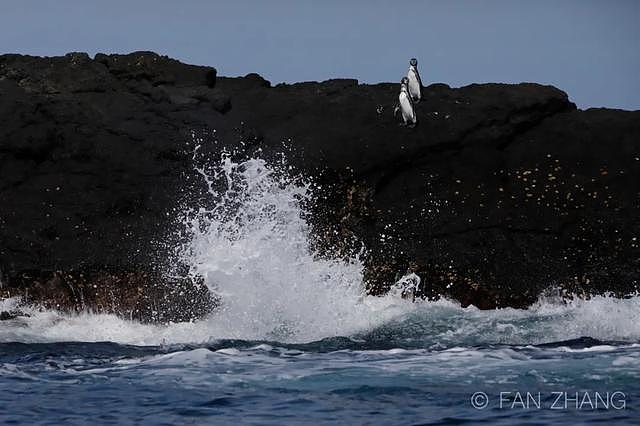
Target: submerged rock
(502,191)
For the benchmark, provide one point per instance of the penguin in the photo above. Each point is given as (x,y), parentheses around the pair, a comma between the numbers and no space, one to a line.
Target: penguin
(415,84)
(405,105)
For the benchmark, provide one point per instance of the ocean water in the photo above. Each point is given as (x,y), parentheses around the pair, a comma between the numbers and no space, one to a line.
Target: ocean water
(297,341)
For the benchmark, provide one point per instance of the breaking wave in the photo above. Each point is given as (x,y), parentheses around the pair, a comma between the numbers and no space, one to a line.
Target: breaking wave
(252,249)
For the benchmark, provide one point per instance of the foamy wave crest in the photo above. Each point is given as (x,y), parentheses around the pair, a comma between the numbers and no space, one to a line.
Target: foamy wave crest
(380,323)
(252,249)
(444,324)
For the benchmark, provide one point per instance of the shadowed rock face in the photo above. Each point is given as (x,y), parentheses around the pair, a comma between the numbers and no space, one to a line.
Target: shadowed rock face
(500,191)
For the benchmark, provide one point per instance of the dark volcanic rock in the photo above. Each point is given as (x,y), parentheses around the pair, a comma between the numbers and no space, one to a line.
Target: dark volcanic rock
(143,296)
(10,315)
(500,192)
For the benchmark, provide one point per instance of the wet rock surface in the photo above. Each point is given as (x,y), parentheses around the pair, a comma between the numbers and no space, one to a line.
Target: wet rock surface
(500,192)
(13,314)
(142,296)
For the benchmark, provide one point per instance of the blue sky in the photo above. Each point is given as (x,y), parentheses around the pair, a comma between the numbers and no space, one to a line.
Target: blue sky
(590,49)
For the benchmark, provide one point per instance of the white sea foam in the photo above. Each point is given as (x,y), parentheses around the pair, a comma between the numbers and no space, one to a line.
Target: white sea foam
(253,250)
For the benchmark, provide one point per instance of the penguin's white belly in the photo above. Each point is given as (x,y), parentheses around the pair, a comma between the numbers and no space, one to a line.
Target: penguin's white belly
(407,109)
(414,85)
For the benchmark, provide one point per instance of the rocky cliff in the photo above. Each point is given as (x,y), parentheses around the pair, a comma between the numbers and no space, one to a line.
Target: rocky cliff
(501,191)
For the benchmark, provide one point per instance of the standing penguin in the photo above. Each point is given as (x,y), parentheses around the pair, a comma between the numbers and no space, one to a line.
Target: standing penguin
(405,105)
(415,84)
